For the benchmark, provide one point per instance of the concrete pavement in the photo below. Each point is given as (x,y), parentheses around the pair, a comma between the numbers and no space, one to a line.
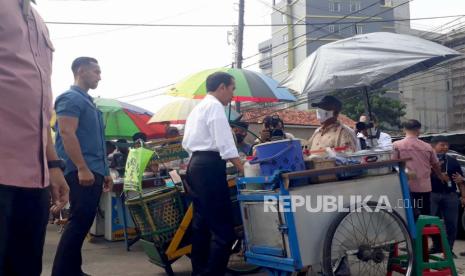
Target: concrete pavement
(103,258)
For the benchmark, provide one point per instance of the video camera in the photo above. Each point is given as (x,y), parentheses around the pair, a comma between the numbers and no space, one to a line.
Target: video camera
(360,126)
(271,123)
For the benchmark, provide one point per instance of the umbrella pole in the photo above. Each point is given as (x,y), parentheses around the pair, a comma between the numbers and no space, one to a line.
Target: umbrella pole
(368,112)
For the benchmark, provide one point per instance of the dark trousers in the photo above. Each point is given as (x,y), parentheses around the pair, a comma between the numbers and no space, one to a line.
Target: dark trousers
(23,222)
(446,206)
(212,225)
(84,202)
(421,203)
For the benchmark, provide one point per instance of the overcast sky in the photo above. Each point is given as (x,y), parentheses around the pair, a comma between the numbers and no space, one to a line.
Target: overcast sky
(140,58)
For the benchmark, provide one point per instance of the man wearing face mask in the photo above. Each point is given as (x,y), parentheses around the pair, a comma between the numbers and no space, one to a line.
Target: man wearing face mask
(332,133)
(240,132)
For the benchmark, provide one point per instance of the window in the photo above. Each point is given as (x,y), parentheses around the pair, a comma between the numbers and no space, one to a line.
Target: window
(335,6)
(285,61)
(331,28)
(284,17)
(359,29)
(386,3)
(355,6)
(285,38)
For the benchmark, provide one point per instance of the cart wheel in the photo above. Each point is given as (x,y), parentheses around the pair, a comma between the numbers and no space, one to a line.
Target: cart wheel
(237,264)
(368,241)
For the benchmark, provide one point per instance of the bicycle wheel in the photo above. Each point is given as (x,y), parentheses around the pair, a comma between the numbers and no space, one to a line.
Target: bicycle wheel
(368,241)
(237,264)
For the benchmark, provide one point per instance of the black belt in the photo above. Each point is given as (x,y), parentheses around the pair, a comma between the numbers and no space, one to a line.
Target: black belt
(214,154)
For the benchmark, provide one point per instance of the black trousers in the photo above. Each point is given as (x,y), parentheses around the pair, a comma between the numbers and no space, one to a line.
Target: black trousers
(23,222)
(421,203)
(84,203)
(212,225)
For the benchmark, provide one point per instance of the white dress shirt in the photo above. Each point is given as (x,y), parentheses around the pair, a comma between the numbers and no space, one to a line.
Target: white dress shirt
(207,129)
(384,141)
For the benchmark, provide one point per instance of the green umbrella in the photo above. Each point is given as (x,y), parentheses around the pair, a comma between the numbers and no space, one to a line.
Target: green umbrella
(123,120)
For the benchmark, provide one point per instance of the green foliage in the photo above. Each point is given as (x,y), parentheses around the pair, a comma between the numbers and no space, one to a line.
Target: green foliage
(387,110)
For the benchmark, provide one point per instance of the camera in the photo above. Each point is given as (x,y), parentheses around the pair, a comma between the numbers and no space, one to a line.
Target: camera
(360,126)
(271,125)
(271,122)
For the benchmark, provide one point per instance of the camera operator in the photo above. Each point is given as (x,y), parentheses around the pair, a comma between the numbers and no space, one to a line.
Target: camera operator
(377,139)
(273,129)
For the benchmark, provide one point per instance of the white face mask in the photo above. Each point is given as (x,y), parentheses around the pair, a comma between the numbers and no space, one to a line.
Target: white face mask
(323,115)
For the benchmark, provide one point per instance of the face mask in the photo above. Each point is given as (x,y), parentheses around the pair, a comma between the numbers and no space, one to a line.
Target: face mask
(239,138)
(323,115)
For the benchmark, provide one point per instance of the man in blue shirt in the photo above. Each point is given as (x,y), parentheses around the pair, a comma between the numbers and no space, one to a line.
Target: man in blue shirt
(80,142)
(444,196)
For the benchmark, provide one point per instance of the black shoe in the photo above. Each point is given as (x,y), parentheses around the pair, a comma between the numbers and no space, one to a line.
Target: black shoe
(462,254)
(85,274)
(434,251)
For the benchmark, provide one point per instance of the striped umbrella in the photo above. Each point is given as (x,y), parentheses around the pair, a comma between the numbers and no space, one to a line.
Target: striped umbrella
(250,86)
(123,120)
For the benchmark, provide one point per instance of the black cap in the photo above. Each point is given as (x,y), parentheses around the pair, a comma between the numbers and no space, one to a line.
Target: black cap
(329,103)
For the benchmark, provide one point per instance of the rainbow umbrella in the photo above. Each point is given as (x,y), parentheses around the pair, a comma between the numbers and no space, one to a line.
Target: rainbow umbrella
(123,120)
(250,86)
(176,112)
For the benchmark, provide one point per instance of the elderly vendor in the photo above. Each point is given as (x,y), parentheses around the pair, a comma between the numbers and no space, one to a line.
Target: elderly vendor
(332,133)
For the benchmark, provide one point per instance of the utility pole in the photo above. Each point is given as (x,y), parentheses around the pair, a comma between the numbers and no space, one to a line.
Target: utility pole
(239,42)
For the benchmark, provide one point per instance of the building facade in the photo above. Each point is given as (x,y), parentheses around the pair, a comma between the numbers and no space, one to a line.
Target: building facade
(301,26)
(437,97)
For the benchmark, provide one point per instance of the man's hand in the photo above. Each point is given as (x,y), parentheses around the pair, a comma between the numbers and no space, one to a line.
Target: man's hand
(107,184)
(86,177)
(59,190)
(457,178)
(444,178)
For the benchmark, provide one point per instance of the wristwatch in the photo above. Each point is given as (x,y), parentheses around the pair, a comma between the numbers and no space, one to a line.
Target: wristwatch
(56,164)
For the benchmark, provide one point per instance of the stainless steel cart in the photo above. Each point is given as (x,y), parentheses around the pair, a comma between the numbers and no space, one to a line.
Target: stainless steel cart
(361,226)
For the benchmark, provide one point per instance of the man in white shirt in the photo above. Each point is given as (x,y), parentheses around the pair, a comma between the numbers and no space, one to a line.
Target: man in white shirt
(209,141)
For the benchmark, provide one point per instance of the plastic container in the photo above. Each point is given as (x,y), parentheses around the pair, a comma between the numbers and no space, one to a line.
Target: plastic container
(251,170)
(370,156)
(284,155)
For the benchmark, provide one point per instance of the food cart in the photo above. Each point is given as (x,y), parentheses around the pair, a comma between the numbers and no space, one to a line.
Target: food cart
(366,229)
(163,216)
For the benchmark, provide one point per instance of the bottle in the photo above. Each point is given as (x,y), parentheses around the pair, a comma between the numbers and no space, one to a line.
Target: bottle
(251,170)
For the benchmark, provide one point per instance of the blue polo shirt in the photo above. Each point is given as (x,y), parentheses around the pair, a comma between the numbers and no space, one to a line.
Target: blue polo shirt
(90,131)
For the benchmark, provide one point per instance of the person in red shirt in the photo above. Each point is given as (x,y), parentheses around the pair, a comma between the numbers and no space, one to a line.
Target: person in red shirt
(422,160)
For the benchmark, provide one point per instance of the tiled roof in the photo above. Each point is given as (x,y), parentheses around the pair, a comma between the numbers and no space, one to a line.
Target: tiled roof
(290,116)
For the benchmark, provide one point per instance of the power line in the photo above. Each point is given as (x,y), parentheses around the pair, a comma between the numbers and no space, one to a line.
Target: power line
(146,91)
(246,25)
(415,77)
(324,36)
(246,58)
(307,33)
(137,93)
